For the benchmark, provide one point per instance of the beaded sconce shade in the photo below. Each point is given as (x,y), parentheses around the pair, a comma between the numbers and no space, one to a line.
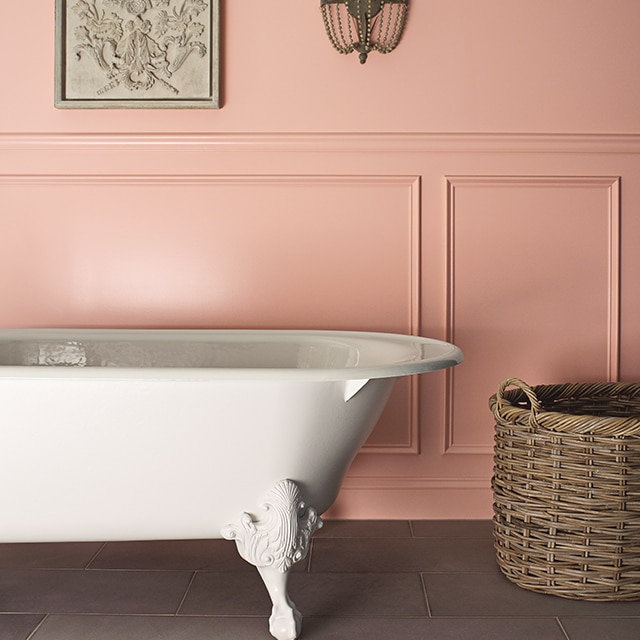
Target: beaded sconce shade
(364,25)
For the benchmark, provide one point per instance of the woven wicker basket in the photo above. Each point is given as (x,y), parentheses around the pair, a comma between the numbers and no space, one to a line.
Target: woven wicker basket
(567,488)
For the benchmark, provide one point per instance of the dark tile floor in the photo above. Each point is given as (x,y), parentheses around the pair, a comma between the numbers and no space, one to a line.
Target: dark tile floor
(375,580)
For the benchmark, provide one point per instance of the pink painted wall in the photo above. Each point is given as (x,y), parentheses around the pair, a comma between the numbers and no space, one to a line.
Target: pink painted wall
(478,184)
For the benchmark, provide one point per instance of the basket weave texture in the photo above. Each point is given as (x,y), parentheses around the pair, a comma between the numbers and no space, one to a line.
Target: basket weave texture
(566,488)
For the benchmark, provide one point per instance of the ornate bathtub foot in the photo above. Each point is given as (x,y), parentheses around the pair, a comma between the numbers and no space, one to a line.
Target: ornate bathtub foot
(273,540)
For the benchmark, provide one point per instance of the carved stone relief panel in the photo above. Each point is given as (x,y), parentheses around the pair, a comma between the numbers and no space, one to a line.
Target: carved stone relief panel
(137,53)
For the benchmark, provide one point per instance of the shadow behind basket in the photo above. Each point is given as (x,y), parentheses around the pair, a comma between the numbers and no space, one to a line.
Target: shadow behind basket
(567,488)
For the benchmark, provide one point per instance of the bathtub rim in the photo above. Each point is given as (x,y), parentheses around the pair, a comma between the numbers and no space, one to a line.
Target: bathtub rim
(447,355)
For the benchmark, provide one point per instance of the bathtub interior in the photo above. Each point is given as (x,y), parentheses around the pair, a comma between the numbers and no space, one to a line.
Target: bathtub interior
(176,354)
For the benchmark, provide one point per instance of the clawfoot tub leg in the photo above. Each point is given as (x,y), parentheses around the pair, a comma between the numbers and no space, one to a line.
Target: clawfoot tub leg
(273,540)
(285,622)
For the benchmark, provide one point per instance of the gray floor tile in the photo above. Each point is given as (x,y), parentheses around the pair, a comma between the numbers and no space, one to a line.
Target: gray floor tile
(70,627)
(403,554)
(191,555)
(452,529)
(74,591)
(232,594)
(54,555)
(348,594)
(358,594)
(602,628)
(329,628)
(17,626)
(364,529)
(491,594)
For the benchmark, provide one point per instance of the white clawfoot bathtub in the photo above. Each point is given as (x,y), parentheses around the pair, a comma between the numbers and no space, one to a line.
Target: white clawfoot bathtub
(171,434)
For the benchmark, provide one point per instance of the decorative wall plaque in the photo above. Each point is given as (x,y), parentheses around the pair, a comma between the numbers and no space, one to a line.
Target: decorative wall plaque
(137,54)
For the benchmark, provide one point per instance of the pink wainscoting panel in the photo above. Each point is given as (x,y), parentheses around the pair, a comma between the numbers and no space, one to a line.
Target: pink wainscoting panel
(537,297)
(208,251)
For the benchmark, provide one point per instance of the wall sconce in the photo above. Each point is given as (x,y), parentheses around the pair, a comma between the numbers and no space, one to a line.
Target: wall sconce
(364,25)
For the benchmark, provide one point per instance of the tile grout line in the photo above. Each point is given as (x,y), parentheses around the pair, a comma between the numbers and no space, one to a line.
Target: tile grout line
(186,593)
(310,555)
(426,595)
(38,626)
(564,631)
(95,556)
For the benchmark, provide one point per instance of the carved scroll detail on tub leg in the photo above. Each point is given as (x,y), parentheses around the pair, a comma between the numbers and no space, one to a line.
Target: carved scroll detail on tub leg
(273,540)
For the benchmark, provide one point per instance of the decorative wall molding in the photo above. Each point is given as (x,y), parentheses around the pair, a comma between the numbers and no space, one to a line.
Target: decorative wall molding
(333,142)
(611,184)
(411,182)
(411,444)
(422,483)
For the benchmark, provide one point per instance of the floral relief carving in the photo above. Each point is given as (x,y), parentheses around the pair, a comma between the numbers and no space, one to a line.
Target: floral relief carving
(137,49)
(278,534)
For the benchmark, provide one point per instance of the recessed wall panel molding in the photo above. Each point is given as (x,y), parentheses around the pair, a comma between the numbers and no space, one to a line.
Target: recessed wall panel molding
(245,251)
(533,286)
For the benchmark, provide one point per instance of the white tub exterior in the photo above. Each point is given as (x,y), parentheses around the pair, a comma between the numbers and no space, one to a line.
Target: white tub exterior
(149,458)
(120,435)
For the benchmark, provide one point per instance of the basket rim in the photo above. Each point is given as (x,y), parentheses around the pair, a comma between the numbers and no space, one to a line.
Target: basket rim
(508,414)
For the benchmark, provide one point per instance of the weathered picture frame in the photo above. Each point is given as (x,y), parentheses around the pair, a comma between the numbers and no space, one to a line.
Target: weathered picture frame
(144,54)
